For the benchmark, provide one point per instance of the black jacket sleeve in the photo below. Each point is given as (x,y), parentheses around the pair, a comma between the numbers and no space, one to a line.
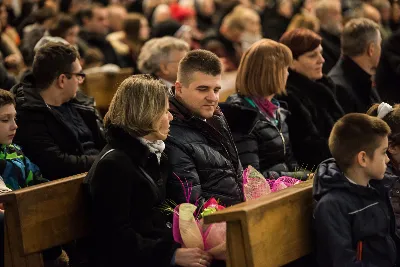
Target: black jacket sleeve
(247,146)
(111,188)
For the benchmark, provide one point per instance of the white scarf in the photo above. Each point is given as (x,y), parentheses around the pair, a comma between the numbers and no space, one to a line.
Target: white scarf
(157,147)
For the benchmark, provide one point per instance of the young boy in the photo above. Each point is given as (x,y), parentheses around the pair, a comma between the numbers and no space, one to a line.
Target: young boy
(16,170)
(353,220)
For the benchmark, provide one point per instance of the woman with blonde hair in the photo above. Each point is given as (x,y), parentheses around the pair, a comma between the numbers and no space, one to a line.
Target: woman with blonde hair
(257,120)
(127,182)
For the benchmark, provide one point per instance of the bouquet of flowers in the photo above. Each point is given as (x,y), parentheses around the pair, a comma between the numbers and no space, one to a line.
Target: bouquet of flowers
(189,229)
(255,185)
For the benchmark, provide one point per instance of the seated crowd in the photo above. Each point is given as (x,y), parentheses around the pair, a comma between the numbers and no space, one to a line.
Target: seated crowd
(311,78)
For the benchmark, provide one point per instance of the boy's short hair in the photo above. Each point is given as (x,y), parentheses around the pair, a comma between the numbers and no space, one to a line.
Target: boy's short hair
(198,60)
(6,98)
(353,133)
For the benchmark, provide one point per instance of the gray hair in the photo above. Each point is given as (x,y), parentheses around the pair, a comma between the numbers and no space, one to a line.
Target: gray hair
(357,35)
(156,50)
(323,7)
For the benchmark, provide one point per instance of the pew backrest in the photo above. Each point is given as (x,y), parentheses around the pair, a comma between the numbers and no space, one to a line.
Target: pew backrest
(41,217)
(271,231)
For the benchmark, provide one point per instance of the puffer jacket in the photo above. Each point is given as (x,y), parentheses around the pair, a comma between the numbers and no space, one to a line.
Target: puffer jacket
(204,157)
(260,142)
(394,176)
(347,214)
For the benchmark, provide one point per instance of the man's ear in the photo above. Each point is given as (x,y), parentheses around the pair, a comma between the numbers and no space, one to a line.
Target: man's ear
(293,65)
(371,49)
(178,88)
(61,80)
(362,159)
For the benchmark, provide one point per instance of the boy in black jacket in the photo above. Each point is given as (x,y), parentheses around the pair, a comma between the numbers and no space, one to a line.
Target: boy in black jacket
(353,220)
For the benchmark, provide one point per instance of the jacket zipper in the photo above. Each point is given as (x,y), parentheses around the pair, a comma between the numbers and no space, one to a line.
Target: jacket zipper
(278,129)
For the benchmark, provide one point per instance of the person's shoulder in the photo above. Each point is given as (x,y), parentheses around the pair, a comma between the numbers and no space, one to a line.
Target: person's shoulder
(338,200)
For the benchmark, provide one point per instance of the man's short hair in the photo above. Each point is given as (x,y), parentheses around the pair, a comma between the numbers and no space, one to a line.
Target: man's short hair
(52,60)
(357,35)
(6,98)
(157,50)
(353,133)
(263,69)
(62,25)
(198,61)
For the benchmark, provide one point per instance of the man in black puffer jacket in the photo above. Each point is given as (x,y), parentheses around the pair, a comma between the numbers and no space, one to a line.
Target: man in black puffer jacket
(200,147)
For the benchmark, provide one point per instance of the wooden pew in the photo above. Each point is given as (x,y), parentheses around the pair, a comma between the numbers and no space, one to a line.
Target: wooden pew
(41,217)
(102,86)
(271,231)
(268,232)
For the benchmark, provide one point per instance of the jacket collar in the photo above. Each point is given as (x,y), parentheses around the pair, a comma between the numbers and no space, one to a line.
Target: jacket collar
(360,79)
(132,146)
(180,111)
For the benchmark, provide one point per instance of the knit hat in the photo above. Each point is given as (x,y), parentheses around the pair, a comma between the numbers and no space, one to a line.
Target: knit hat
(181,13)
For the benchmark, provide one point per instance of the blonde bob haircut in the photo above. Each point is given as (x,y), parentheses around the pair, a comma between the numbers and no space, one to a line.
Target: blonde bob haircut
(138,104)
(263,69)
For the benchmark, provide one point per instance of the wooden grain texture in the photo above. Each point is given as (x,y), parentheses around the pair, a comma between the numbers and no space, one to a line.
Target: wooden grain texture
(275,228)
(102,86)
(236,253)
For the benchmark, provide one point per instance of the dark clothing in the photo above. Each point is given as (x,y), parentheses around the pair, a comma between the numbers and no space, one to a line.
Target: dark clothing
(354,89)
(99,41)
(223,48)
(261,142)
(394,175)
(388,72)
(47,139)
(203,155)
(6,81)
(346,214)
(76,124)
(127,181)
(2,238)
(313,112)
(331,50)
(273,24)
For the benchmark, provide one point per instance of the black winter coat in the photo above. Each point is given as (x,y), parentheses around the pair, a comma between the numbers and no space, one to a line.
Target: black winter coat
(126,185)
(331,50)
(394,177)
(313,112)
(345,214)
(354,89)
(260,142)
(203,155)
(47,140)
(388,72)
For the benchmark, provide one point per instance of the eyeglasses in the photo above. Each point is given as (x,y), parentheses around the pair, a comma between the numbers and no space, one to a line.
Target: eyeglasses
(80,75)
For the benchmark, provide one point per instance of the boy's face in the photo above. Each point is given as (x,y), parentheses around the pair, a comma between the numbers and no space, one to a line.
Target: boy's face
(8,126)
(376,166)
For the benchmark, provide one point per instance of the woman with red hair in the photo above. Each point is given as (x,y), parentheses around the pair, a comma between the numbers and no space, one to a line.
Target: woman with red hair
(310,97)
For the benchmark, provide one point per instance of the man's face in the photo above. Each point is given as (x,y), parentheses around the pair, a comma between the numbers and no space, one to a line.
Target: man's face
(99,22)
(71,81)
(201,95)
(376,54)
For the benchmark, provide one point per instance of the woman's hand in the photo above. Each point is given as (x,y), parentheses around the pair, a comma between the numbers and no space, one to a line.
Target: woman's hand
(192,257)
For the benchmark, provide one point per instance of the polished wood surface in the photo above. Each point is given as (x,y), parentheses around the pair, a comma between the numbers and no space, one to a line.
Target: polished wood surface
(271,231)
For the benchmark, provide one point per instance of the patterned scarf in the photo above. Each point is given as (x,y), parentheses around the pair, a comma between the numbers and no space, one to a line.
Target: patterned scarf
(266,106)
(157,147)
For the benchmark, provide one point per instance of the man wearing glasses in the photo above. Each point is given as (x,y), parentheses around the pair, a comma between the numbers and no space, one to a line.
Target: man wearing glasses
(57,131)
